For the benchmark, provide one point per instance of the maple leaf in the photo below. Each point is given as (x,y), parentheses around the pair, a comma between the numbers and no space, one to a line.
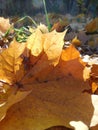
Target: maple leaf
(11,71)
(53,45)
(34,43)
(44,56)
(10,63)
(56,101)
(49,81)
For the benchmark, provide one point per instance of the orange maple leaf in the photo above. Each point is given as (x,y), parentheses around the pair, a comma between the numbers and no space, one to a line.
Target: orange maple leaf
(70,53)
(50,78)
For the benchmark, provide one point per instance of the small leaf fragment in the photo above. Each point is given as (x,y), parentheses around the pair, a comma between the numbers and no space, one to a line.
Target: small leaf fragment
(86,73)
(94,87)
(76,41)
(70,53)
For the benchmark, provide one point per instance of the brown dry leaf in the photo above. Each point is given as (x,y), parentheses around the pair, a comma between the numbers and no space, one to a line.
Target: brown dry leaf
(92,26)
(94,70)
(91,73)
(75,41)
(95,127)
(59,26)
(4,24)
(70,53)
(94,78)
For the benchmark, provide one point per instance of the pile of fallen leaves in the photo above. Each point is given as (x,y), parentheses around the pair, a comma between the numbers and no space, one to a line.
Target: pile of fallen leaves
(34,56)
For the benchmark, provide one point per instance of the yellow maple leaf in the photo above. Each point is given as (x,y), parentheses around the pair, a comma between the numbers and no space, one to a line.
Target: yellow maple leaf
(53,44)
(11,63)
(35,43)
(50,43)
(50,79)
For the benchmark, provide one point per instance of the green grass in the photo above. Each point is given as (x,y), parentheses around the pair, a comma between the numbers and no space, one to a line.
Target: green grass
(46,14)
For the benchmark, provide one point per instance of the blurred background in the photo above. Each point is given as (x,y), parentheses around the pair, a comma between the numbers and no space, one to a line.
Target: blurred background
(10,8)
